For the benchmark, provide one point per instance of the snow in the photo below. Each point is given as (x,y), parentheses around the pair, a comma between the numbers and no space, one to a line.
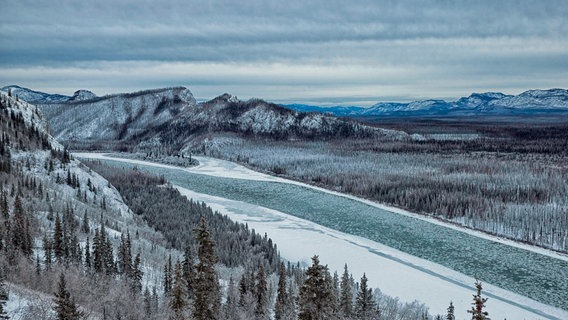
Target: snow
(299,239)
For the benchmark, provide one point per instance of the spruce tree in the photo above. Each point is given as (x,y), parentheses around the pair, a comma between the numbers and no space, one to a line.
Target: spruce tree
(282,295)
(315,294)
(207,290)
(65,307)
(365,305)
(450,315)
(478,304)
(178,293)
(346,295)
(188,270)
(168,277)
(58,241)
(261,310)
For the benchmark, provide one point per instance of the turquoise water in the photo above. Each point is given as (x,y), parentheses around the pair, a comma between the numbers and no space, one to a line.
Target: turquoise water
(537,276)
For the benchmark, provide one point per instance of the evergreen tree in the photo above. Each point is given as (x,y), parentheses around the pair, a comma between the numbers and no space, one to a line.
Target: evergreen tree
(85,227)
(231,304)
(88,254)
(261,310)
(282,295)
(4,296)
(137,274)
(65,307)
(207,290)
(188,270)
(47,248)
(478,304)
(21,237)
(450,315)
(346,295)
(315,294)
(58,239)
(178,293)
(365,305)
(168,278)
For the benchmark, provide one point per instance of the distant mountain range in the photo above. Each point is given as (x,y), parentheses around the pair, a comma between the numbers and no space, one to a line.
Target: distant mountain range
(552,101)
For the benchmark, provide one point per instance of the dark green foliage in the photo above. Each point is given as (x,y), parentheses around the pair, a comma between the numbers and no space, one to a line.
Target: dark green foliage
(315,300)
(281,294)
(365,305)
(65,306)
(165,209)
(346,295)
(450,315)
(478,304)
(207,290)
(178,293)
(261,310)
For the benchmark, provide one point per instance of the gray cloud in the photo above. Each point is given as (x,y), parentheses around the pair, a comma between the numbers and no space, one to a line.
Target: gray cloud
(385,47)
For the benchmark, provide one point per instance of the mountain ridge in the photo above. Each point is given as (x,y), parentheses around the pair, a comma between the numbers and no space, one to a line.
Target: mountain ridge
(487,103)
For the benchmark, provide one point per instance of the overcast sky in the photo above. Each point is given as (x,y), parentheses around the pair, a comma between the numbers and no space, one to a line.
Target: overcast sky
(321,52)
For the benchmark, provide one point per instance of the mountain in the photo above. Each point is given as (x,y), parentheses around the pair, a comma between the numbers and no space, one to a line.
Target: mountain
(34,97)
(170,118)
(87,119)
(488,103)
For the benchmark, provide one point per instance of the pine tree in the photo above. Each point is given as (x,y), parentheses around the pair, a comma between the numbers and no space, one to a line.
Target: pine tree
(4,296)
(178,293)
(137,274)
(168,277)
(261,310)
(282,295)
(478,304)
(365,305)
(65,307)
(21,237)
(231,304)
(346,295)
(88,254)
(47,248)
(58,240)
(315,294)
(207,290)
(450,315)
(188,270)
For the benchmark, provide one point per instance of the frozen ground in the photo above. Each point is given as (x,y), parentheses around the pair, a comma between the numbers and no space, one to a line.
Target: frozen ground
(396,273)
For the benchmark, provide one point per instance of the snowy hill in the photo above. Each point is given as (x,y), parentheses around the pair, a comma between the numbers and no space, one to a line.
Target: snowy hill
(32,96)
(120,117)
(488,103)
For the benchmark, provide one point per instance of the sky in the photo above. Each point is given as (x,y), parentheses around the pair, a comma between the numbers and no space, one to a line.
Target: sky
(324,52)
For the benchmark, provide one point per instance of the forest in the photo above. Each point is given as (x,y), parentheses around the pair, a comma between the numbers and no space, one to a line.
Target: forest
(507,180)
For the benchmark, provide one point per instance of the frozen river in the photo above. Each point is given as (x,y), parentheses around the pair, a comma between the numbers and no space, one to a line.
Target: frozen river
(404,256)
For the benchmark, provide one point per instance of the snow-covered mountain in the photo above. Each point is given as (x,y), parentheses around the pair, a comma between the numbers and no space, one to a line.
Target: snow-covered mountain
(172,118)
(121,117)
(488,103)
(34,97)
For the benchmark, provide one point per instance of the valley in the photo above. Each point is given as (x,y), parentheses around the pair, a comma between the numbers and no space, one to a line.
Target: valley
(441,201)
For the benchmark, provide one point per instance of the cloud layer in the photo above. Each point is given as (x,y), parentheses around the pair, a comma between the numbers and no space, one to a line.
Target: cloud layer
(320,51)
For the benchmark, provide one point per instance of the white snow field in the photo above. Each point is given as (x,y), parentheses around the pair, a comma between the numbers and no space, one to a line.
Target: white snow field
(396,273)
